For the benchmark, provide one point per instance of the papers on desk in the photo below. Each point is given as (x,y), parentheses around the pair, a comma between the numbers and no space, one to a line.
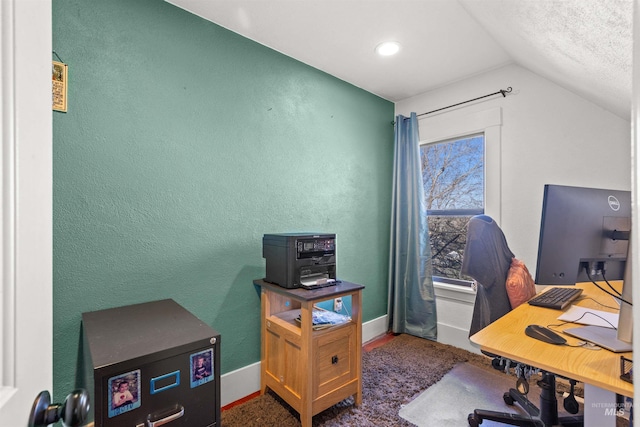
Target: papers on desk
(590,316)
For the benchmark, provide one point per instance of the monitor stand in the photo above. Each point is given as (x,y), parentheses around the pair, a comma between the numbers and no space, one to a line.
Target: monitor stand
(602,337)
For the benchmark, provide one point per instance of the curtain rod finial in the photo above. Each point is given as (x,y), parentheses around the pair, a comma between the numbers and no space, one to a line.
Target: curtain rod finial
(504,92)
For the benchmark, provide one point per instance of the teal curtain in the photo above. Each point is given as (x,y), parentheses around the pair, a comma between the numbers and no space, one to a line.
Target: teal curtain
(412,304)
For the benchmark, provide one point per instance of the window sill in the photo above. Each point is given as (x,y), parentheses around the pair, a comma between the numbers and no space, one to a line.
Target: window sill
(454,292)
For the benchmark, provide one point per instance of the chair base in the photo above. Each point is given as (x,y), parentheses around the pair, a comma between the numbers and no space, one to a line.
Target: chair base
(546,416)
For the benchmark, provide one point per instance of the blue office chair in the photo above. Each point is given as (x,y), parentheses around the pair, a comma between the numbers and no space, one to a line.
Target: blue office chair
(487,259)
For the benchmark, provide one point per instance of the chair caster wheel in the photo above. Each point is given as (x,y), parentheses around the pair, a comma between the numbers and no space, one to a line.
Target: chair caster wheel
(508,399)
(473,422)
(497,364)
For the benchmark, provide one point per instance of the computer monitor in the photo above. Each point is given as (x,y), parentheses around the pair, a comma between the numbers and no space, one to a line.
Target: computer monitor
(584,235)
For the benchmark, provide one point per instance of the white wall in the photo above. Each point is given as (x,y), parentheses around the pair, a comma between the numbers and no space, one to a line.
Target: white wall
(635,174)
(548,135)
(454,307)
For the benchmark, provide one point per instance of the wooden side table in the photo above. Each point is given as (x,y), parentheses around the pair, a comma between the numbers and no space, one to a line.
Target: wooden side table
(310,369)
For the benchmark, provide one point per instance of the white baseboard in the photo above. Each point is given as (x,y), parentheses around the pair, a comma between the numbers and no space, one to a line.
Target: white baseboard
(237,384)
(245,381)
(374,328)
(456,337)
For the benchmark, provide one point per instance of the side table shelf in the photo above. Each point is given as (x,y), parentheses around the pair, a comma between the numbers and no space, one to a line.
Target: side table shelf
(310,369)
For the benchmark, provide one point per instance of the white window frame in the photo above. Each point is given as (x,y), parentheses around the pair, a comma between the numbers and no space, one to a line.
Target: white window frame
(460,123)
(459,211)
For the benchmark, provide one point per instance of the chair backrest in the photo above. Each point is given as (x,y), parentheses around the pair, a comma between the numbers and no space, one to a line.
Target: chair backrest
(487,259)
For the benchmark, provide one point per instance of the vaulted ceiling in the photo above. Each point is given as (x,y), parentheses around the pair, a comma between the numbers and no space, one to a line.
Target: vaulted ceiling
(582,45)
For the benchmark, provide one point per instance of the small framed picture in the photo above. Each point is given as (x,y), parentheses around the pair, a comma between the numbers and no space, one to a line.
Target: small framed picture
(124,393)
(59,86)
(201,367)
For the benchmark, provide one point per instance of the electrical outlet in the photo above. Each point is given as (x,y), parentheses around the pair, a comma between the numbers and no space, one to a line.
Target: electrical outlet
(337,305)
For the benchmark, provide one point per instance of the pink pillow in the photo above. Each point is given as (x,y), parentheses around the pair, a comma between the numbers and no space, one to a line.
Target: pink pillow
(520,286)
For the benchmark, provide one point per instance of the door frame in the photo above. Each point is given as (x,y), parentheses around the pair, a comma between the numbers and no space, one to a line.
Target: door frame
(26,346)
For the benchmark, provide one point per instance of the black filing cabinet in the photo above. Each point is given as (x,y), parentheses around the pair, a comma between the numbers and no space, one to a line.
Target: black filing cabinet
(152,364)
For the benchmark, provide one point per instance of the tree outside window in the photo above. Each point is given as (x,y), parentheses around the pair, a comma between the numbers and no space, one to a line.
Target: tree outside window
(453,179)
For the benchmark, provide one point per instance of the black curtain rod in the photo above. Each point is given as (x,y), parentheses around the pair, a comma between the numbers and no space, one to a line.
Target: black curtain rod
(503,92)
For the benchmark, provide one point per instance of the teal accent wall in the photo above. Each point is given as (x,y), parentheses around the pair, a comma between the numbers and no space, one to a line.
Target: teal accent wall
(182,145)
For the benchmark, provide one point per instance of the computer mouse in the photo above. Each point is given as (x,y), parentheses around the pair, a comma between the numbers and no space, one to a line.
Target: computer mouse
(544,334)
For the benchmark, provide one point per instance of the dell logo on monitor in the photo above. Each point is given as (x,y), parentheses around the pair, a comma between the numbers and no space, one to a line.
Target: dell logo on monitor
(614,204)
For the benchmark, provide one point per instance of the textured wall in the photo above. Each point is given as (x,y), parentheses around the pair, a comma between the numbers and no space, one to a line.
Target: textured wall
(183,144)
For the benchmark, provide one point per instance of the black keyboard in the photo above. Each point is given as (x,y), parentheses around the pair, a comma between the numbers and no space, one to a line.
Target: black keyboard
(556,298)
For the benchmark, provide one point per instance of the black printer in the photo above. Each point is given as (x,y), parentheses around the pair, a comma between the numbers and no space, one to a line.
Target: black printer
(297,260)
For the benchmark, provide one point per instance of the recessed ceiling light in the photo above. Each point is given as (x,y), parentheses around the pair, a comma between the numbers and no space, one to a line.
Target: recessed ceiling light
(388,48)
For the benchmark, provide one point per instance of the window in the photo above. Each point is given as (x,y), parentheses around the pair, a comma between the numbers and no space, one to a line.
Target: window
(453,178)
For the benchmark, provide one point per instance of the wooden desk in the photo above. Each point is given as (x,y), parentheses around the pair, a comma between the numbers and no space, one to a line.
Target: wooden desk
(310,369)
(600,368)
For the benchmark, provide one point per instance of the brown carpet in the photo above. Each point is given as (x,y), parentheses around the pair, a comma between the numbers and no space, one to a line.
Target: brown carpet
(392,375)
